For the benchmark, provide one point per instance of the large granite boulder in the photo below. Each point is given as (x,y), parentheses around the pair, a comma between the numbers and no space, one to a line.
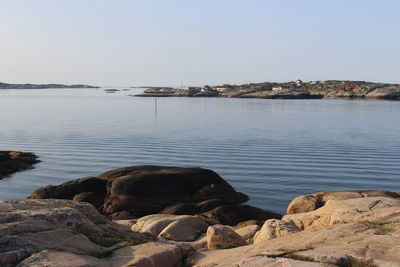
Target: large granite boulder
(142,190)
(13,161)
(172,227)
(185,229)
(32,226)
(221,236)
(274,228)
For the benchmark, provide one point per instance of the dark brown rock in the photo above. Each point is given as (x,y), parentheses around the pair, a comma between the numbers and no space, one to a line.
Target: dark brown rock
(193,208)
(88,189)
(141,190)
(13,161)
(144,190)
(181,209)
(234,214)
(209,205)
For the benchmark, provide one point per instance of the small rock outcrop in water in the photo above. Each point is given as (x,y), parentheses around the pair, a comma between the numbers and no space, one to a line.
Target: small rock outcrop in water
(137,191)
(13,161)
(111,90)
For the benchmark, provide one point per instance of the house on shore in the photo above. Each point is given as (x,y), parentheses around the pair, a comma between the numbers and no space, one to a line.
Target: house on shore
(220,88)
(277,88)
(207,88)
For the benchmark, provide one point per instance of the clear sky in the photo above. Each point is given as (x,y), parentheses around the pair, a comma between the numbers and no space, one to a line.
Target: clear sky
(167,42)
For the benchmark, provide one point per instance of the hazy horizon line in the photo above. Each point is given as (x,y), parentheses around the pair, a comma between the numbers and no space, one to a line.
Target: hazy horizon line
(184,85)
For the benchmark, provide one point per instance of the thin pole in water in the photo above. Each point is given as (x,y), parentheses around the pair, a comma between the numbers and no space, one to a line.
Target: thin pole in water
(155,111)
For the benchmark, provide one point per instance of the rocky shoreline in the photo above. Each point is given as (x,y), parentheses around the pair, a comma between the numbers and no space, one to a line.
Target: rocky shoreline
(288,90)
(169,216)
(13,161)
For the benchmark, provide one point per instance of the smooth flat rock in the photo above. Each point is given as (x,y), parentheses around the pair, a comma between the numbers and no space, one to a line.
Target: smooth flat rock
(53,258)
(31,226)
(367,209)
(260,261)
(147,255)
(311,202)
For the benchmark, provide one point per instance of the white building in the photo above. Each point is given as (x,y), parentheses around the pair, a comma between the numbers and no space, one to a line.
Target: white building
(220,88)
(298,83)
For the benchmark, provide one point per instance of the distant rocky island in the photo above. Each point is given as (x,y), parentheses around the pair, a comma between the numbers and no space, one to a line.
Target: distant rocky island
(42,86)
(287,90)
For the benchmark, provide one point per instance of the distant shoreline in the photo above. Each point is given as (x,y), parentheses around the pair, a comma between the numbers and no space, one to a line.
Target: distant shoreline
(330,89)
(43,86)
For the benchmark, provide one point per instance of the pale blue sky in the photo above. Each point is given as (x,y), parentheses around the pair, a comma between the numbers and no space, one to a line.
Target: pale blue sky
(164,42)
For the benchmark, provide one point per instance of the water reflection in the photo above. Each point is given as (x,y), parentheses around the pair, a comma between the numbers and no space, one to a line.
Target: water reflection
(272,150)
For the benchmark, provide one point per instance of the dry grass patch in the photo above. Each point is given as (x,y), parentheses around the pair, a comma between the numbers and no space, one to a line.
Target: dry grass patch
(225,246)
(353,262)
(380,228)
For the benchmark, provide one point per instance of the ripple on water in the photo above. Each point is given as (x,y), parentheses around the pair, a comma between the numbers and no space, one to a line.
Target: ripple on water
(270,150)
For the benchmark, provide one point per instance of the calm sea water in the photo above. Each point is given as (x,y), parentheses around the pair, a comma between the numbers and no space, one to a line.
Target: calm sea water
(272,150)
